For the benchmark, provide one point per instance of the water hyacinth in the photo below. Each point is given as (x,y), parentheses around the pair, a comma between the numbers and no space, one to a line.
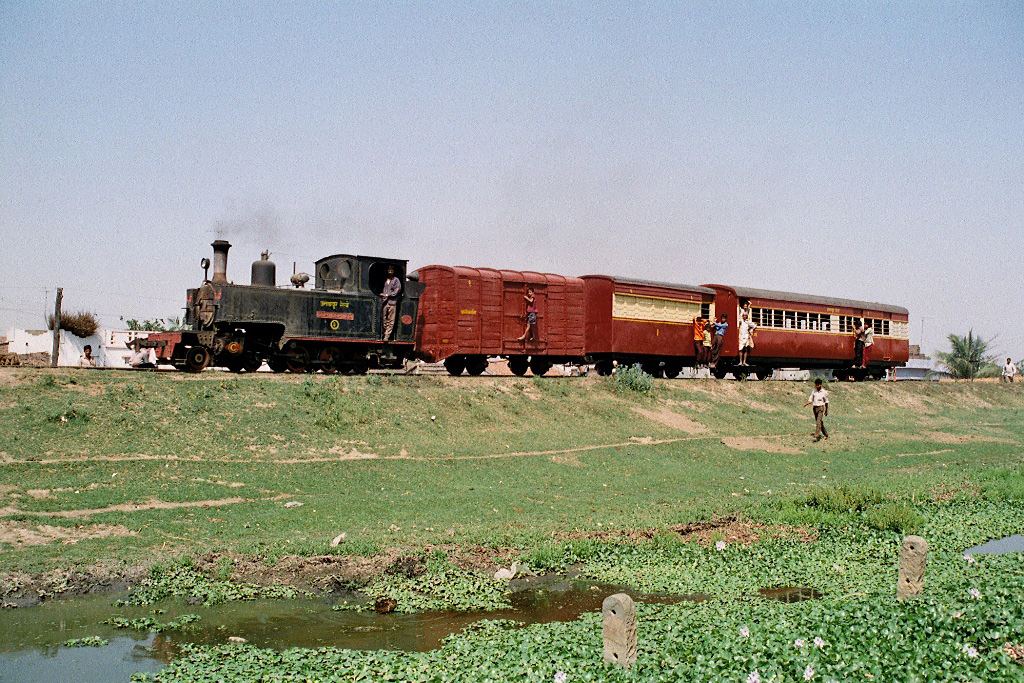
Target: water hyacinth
(818,642)
(799,642)
(745,632)
(754,677)
(561,677)
(720,546)
(808,673)
(969,558)
(970,651)
(975,593)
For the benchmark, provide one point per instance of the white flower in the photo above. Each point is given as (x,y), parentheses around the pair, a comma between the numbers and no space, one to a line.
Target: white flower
(818,642)
(808,673)
(745,632)
(720,545)
(799,642)
(560,677)
(969,558)
(975,593)
(754,677)
(970,651)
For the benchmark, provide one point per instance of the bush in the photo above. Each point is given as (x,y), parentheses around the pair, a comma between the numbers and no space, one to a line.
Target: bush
(633,379)
(80,324)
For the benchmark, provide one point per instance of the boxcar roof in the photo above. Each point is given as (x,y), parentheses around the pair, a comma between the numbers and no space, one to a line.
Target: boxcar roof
(653,283)
(751,293)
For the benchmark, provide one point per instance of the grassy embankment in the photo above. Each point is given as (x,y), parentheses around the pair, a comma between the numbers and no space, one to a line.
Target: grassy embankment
(193,465)
(552,472)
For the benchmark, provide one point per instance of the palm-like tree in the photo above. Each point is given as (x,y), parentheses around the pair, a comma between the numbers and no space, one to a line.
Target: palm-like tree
(969,357)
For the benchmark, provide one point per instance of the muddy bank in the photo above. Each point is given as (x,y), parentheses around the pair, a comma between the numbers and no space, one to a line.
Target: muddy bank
(323,574)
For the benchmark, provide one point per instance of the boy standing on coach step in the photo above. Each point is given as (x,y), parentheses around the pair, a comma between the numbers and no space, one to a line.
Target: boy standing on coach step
(819,401)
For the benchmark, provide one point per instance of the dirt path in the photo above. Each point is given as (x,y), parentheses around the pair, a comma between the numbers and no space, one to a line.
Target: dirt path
(152,504)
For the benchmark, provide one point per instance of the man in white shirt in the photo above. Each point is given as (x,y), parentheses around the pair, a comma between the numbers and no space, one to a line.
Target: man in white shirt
(1009,371)
(819,401)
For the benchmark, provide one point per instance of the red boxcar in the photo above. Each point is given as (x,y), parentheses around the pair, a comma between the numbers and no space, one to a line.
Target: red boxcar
(469,314)
(807,331)
(636,321)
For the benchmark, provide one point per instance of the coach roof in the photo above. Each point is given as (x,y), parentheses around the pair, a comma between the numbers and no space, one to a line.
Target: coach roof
(751,293)
(652,283)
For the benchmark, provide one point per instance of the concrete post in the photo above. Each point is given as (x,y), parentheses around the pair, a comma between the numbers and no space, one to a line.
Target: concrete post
(619,613)
(913,555)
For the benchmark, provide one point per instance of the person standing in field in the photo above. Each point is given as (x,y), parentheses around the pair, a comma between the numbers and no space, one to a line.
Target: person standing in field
(1009,371)
(869,341)
(716,344)
(88,361)
(819,403)
(392,288)
(698,341)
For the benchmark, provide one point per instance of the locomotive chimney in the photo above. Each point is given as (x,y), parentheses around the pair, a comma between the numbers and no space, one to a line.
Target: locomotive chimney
(220,261)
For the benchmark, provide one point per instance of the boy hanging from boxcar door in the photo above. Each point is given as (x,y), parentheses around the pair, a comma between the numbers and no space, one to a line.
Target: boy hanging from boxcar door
(530,333)
(819,403)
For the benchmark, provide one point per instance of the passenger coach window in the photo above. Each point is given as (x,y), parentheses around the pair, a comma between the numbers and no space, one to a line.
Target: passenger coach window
(705,311)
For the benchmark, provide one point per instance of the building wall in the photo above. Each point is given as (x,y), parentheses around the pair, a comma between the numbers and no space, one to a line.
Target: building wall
(109,347)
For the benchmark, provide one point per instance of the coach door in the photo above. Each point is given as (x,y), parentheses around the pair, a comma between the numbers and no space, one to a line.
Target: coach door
(514,315)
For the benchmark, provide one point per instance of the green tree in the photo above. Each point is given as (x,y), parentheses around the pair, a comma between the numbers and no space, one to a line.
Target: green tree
(969,357)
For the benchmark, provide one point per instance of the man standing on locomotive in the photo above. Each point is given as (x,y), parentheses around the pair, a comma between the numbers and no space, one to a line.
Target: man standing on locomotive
(392,288)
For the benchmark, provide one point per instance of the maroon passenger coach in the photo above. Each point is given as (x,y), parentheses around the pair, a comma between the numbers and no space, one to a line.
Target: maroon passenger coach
(638,321)
(807,331)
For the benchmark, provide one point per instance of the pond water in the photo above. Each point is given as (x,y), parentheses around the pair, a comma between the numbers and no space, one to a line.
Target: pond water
(1009,544)
(31,639)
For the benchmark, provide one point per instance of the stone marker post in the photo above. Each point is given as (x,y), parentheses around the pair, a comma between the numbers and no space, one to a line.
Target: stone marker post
(619,613)
(912,560)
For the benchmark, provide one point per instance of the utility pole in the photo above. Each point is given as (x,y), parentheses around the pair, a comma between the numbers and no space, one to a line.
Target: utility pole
(56,328)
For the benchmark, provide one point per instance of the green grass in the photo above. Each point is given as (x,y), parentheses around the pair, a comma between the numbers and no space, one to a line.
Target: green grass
(364,456)
(559,473)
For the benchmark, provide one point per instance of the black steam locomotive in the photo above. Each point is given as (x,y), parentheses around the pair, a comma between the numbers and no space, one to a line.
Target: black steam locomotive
(336,326)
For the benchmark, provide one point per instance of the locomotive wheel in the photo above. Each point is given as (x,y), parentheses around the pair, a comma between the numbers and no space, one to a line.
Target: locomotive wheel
(359,367)
(719,373)
(454,365)
(476,366)
(252,362)
(197,358)
(672,370)
(764,373)
(277,363)
(296,360)
(604,367)
(539,366)
(328,363)
(518,365)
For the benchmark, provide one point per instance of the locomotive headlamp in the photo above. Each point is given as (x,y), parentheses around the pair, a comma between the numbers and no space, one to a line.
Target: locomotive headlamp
(205,265)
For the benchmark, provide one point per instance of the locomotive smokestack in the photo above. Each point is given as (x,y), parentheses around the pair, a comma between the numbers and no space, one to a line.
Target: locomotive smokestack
(220,261)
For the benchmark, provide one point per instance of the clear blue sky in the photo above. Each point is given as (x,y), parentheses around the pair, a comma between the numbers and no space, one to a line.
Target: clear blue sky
(866,150)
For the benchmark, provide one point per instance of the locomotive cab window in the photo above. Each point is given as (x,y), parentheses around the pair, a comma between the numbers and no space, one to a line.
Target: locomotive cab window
(378,273)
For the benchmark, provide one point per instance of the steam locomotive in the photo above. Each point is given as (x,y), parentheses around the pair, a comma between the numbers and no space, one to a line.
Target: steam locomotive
(465,316)
(334,327)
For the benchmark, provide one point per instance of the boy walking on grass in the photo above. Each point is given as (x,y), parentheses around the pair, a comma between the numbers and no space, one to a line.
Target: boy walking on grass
(819,401)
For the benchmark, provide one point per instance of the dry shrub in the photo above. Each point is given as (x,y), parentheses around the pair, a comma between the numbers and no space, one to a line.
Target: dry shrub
(81,324)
